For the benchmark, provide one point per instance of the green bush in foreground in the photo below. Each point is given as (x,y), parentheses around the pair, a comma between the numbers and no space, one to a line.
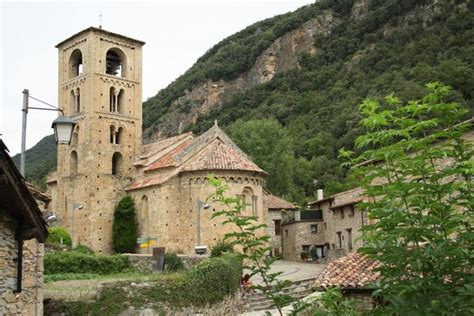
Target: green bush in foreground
(173,262)
(208,283)
(59,235)
(77,262)
(84,249)
(221,248)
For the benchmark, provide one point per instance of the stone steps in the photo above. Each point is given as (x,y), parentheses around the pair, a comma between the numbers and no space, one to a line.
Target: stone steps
(297,289)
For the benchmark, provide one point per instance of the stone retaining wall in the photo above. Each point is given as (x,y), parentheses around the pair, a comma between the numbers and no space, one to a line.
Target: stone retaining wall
(144,262)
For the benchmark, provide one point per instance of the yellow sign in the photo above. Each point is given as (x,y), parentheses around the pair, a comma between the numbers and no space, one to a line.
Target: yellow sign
(150,243)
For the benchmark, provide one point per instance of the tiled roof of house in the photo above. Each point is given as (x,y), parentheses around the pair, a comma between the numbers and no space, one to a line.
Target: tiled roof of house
(277,203)
(352,271)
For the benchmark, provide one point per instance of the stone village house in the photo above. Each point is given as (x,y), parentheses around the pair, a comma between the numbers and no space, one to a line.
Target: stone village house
(22,233)
(331,225)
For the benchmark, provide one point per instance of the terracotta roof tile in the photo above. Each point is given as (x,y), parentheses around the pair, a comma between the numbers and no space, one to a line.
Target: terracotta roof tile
(153,148)
(168,160)
(218,155)
(274,202)
(352,271)
(155,179)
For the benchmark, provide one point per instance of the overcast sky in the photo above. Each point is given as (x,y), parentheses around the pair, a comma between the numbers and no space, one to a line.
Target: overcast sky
(176,34)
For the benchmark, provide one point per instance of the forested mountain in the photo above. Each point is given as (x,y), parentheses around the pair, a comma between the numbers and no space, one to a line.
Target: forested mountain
(286,89)
(40,160)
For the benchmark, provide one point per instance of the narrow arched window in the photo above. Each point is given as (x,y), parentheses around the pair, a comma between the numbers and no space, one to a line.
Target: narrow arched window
(116,163)
(73,163)
(120,101)
(72,102)
(112,134)
(113,99)
(118,135)
(78,100)
(75,136)
(75,64)
(115,63)
(249,201)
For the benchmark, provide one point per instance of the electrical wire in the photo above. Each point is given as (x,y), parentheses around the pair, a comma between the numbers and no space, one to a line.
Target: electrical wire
(54,107)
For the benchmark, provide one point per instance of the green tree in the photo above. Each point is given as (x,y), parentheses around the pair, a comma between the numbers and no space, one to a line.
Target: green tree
(269,145)
(254,247)
(125,228)
(420,192)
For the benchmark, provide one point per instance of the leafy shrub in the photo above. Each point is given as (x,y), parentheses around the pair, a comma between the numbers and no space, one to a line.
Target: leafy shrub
(216,277)
(84,249)
(77,262)
(173,262)
(220,248)
(314,253)
(304,255)
(59,235)
(334,303)
(207,283)
(125,227)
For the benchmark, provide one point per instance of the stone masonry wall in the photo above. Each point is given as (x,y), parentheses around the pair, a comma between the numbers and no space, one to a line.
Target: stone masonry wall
(169,212)
(30,300)
(144,262)
(296,234)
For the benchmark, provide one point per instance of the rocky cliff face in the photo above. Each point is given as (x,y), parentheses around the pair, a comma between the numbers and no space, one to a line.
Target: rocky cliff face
(281,56)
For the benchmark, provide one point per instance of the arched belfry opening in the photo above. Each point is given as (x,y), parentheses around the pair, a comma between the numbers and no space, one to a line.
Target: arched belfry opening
(117,164)
(115,64)
(119,135)
(112,134)
(75,64)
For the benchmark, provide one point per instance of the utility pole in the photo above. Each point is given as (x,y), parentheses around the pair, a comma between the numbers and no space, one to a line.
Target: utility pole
(23,131)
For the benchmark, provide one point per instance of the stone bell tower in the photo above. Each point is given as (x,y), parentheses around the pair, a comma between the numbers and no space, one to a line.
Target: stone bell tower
(100,76)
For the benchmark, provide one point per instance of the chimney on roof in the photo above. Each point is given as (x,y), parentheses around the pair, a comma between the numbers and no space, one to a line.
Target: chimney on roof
(319,194)
(215,122)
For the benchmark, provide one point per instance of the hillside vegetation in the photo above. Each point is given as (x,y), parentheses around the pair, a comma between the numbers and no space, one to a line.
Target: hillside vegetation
(40,160)
(294,125)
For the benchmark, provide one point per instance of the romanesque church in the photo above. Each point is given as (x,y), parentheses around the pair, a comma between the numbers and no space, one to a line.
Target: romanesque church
(100,87)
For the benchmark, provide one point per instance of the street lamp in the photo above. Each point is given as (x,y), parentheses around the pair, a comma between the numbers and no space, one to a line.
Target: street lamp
(62,126)
(199,205)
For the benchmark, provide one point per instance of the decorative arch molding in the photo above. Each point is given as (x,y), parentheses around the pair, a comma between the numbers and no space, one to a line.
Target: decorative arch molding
(116,81)
(74,83)
(117,42)
(76,43)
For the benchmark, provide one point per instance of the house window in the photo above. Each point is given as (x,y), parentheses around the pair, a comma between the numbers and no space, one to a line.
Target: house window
(352,211)
(286,232)
(342,212)
(314,229)
(305,248)
(349,238)
(277,227)
(339,239)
